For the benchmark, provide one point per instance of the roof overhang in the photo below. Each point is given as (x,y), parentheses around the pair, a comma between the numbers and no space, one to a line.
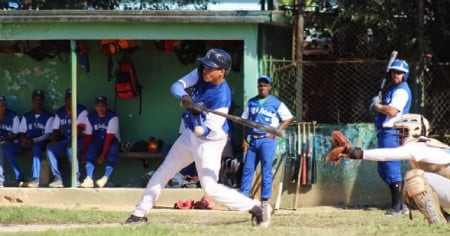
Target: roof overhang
(245,17)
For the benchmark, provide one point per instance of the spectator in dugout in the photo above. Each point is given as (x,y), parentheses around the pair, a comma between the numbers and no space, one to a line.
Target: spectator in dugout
(101,142)
(34,133)
(9,145)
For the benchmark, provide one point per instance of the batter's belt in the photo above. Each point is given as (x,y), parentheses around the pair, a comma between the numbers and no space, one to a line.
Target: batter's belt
(440,169)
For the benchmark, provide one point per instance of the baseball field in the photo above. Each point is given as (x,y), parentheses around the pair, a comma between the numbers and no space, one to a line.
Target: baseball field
(27,220)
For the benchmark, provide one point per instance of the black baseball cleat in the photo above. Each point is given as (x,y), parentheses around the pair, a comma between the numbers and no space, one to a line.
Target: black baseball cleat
(257,215)
(136,220)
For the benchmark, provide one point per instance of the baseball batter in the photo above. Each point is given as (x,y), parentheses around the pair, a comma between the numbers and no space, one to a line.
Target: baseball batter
(203,140)
(101,141)
(61,140)
(428,183)
(396,101)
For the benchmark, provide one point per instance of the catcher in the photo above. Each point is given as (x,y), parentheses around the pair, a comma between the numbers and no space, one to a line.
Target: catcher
(427,185)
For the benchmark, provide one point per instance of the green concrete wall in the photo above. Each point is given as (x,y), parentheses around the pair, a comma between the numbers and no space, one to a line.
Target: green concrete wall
(156,70)
(350,183)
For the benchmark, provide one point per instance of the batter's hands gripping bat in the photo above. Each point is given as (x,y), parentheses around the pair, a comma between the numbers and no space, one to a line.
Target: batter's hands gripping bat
(383,82)
(249,123)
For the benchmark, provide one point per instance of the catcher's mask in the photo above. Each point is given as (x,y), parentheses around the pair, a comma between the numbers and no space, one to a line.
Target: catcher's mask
(412,126)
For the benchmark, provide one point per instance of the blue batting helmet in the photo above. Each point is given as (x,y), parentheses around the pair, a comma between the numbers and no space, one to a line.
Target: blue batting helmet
(400,65)
(216,58)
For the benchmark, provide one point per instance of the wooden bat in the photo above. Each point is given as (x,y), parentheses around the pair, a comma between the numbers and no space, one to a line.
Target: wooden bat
(299,157)
(304,160)
(280,186)
(249,123)
(309,155)
(314,158)
(383,82)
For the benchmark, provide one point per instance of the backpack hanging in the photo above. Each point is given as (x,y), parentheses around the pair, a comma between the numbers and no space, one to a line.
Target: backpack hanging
(127,85)
(110,47)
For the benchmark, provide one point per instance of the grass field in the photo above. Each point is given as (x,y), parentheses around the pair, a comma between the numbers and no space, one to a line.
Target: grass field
(305,221)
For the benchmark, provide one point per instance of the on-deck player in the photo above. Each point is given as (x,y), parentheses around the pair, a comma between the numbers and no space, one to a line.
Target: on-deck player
(203,140)
(396,101)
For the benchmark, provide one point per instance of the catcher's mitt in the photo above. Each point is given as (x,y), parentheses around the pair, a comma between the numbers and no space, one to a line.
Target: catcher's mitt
(341,147)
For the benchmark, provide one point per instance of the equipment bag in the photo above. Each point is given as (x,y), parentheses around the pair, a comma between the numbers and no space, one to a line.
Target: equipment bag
(127,85)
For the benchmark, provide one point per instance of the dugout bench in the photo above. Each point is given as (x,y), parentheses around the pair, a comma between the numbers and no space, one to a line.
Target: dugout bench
(138,164)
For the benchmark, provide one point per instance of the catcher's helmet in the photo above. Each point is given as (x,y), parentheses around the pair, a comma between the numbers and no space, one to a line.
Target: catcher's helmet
(216,58)
(414,124)
(400,65)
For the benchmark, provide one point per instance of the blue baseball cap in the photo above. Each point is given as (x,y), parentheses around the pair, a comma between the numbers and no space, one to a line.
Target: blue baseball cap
(264,79)
(3,100)
(38,93)
(101,99)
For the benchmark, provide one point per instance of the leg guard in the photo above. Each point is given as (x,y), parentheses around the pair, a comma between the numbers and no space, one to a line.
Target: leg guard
(418,190)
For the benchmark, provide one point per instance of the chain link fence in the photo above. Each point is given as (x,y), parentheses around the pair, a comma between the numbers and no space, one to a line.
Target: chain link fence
(340,74)
(435,99)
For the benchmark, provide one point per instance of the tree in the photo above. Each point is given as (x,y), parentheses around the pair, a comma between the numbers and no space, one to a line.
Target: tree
(116,4)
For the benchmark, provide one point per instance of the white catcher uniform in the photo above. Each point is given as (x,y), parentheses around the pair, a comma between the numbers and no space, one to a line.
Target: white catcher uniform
(205,149)
(427,185)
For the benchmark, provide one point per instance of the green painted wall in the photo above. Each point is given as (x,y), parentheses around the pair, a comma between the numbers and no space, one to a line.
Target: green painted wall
(156,70)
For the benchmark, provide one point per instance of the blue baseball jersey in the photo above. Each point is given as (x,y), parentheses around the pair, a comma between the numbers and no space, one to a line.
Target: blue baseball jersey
(399,97)
(99,127)
(35,125)
(9,125)
(213,96)
(63,120)
(269,111)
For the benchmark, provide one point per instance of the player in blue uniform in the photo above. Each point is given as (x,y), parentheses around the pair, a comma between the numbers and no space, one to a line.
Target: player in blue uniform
(9,145)
(396,102)
(61,140)
(258,144)
(202,141)
(101,141)
(34,132)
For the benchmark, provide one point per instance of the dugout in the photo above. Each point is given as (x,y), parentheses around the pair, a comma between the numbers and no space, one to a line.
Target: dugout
(157,66)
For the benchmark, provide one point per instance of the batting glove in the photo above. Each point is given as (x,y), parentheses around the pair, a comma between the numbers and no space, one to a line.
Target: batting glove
(375,101)
(198,108)
(186,102)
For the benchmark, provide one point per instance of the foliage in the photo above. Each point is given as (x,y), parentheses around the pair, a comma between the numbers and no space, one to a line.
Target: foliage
(396,23)
(115,4)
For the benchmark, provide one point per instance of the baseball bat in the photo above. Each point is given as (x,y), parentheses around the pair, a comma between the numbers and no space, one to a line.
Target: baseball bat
(280,186)
(309,155)
(299,158)
(314,158)
(304,160)
(383,82)
(249,123)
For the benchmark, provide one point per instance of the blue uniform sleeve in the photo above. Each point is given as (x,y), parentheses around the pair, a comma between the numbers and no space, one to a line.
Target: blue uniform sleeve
(178,88)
